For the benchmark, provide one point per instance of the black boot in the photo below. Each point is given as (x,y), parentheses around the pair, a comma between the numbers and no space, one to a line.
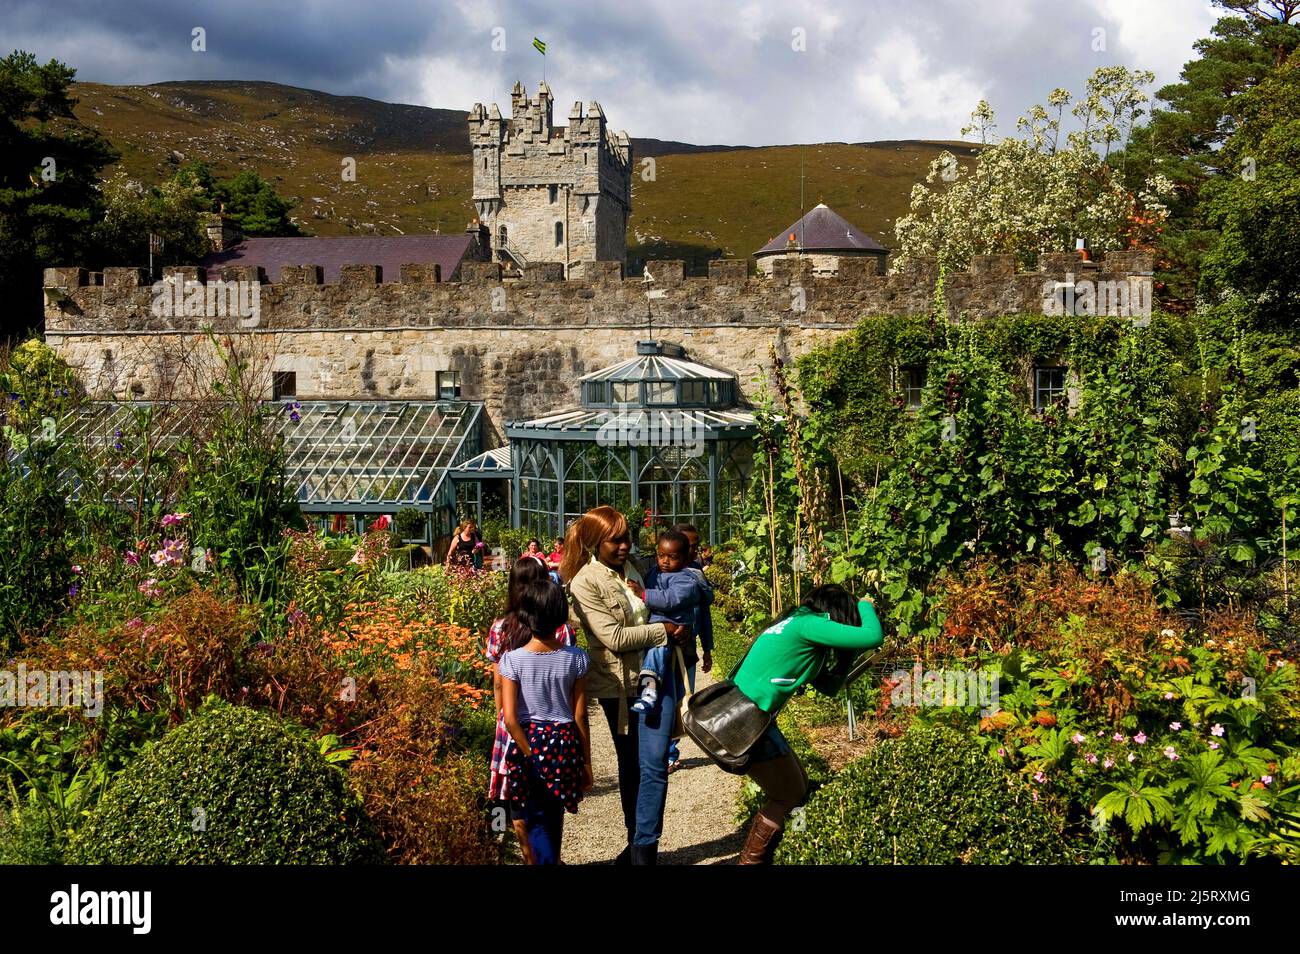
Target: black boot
(645,854)
(624,856)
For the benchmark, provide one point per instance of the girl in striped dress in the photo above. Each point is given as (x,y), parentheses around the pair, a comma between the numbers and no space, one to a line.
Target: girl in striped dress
(544,693)
(507,634)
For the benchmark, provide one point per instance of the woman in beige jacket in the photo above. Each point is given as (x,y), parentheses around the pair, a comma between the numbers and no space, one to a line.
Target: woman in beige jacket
(605,594)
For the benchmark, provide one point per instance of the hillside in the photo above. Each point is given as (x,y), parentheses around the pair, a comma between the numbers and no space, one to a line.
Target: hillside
(413,170)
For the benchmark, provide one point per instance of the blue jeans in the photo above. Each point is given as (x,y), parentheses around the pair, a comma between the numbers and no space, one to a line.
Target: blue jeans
(674,753)
(653,736)
(544,822)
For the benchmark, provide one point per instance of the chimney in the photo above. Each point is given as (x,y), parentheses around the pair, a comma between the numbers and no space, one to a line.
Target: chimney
(481,244)
(222,233)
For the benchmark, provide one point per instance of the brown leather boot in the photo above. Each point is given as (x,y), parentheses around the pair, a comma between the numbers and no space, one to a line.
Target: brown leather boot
(764,836)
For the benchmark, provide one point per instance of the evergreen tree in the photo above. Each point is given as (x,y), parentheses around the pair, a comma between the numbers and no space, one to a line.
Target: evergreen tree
(49,169)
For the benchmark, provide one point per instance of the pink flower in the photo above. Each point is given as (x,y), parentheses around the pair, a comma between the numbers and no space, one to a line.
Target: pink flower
(1091,758)
(1119,737)
(1169,695)
(172,554)
(1175,726)
(150,588)
(1132,756)
(1035,795)
(1170,753)
(1108,764)
(1078,738)
(1001,751)
(1213,746)
(1039,777)
(1217,730)
(132,558)
(76,568)
(172,519)
(1266,779)
(1140,738)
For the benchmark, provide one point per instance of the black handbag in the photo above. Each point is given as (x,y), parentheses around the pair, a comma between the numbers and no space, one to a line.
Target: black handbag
(725,723)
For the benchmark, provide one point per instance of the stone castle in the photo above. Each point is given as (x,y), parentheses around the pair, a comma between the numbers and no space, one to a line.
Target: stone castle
(532,297)
(547,194)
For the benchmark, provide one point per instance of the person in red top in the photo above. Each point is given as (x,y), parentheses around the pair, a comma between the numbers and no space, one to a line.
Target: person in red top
(556,556)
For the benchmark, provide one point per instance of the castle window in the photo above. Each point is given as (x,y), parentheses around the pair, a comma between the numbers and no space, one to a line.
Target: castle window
(913,383)
(555,194)
(1049,387)
(284,384)
(559,233)
(448,385)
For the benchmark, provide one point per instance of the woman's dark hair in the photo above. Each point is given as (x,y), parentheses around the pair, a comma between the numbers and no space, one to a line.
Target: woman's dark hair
(532,541)
(835,601)
(832,599)
(542,609)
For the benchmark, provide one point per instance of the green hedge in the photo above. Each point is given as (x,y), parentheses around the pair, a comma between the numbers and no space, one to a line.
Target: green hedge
(230,786)
(930,797)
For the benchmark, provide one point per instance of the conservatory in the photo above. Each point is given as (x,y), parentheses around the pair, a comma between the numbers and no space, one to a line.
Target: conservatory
(346,461)
(656,432)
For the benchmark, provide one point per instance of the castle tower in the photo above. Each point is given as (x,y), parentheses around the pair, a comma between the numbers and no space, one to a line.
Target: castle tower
(548,194)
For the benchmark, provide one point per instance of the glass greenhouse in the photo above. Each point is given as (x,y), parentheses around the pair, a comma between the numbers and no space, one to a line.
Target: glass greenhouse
(656,431)
(345,459)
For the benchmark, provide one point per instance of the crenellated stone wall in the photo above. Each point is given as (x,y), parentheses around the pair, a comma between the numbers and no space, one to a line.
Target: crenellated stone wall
(520,346)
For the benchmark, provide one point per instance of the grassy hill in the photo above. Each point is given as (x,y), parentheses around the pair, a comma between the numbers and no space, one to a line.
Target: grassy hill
(413,166)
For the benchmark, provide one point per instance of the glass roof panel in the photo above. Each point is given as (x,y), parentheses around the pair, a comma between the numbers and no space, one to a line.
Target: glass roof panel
(338,453)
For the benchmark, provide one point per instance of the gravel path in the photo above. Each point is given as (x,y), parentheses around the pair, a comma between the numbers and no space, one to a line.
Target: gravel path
(698,826)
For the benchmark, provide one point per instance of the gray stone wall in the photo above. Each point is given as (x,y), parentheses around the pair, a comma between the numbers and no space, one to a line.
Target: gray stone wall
(520,345)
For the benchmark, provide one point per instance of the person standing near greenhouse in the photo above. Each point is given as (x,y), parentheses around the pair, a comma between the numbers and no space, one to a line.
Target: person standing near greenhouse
(814,643)
(606,594)
(466,543)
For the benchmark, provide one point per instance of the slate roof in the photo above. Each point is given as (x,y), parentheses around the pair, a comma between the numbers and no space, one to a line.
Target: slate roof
(390,252)
(823,230)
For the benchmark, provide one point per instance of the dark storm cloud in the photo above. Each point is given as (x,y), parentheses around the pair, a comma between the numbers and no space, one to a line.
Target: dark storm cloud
(698,70)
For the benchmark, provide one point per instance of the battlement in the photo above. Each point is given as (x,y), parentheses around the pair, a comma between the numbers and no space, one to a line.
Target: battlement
(122,299)
(512,342)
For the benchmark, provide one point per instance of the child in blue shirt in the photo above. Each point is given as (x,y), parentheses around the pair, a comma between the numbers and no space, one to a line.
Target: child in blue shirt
(674,593)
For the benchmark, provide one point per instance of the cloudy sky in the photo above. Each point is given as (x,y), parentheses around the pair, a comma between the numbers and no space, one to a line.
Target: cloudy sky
(703,71)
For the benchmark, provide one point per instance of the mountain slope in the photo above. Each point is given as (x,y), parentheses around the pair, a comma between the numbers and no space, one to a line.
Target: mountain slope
(413,169)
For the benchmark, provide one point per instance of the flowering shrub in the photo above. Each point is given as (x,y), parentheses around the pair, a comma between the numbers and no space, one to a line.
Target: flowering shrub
(321,582)
(1036,194)
(425,792)
(1172,743)
(458,596)
(382,635)
(166,661)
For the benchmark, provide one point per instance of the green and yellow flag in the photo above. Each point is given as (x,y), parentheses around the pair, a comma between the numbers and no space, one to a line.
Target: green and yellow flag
(541,47)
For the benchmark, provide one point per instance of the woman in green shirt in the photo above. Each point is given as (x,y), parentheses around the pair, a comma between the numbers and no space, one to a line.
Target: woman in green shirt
(814,643)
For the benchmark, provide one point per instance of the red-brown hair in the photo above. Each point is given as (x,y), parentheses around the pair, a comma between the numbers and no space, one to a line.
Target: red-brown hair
(585,536)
